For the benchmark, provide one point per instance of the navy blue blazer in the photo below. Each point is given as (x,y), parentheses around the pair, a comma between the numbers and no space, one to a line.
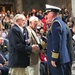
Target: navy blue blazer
(19,52)
(56,42)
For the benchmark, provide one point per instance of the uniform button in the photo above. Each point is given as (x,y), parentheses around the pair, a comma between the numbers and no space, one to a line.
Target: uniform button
(53,50)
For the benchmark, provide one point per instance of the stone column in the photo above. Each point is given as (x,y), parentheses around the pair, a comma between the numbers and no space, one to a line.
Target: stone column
(73,8)
(18,4)
(55,2)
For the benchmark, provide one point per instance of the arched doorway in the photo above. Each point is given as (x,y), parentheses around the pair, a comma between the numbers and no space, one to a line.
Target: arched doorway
(5,7)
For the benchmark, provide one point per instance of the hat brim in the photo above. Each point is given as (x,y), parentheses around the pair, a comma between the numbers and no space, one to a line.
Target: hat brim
(51,10)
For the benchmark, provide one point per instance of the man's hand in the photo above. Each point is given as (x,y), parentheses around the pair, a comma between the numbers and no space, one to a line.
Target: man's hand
(35,48)
(53,64)
(1,65)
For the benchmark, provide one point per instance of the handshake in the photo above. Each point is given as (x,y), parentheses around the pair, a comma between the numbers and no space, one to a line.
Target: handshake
(37,47)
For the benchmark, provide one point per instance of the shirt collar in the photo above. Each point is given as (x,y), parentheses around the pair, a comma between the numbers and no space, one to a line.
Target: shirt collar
(20,27)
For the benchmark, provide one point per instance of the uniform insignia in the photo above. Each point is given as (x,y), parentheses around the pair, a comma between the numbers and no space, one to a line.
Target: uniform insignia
(43,44)
(55,55)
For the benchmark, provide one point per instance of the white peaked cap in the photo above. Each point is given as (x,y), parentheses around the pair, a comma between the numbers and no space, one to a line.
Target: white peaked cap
(52,8)
(33,18)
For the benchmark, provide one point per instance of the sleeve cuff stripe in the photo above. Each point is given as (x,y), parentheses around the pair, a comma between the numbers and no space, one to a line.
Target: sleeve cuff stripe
(55,55)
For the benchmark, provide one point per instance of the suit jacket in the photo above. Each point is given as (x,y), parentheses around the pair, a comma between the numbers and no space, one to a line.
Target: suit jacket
(69,44)
(56,42)
(33,40)
(18,51)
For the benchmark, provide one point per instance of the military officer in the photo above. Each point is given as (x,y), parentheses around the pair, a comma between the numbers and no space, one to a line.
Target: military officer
(57,52)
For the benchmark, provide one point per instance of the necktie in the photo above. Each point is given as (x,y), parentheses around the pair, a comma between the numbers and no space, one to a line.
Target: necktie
(25,36)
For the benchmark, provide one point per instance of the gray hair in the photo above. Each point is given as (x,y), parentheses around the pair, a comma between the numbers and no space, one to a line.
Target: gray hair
(18,16)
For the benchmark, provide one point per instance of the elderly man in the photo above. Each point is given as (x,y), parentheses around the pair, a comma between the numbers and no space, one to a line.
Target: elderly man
(19,50)
(34,57)
(57,52)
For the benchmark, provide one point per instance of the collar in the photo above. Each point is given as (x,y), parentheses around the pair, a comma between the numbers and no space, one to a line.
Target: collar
(20,27)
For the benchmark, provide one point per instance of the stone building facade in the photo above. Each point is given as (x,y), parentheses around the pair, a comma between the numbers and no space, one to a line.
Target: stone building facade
(59,3)
(28,5)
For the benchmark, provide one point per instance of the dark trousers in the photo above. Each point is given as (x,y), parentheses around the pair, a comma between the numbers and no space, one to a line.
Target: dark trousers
(4,70)
(59,70)
(68,69)
(43,68)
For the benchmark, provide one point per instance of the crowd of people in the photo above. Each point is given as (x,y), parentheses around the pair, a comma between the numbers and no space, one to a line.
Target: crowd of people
(37,43)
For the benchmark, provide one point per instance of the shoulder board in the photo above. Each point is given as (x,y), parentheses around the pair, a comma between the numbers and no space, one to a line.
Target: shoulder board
(52,24)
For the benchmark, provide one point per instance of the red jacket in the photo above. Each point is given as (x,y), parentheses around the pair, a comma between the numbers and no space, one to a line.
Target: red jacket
(43,57)
(44,21)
